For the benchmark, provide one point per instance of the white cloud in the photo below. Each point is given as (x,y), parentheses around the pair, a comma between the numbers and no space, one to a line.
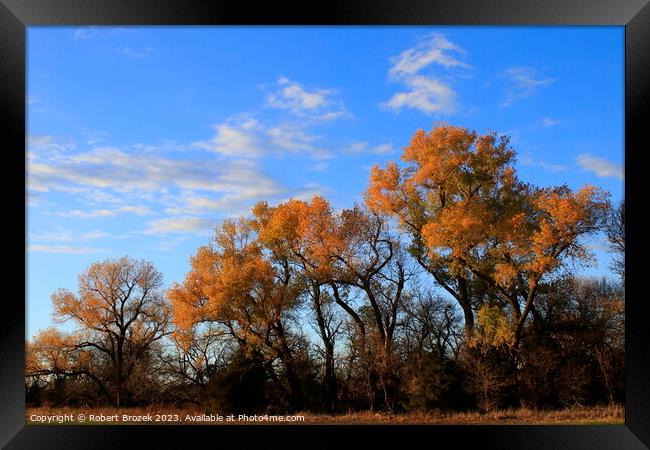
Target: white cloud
(357,147)
(528,160)
(38,145)
(196,225)
(114,182)
(93,31)
(84,33)
(77,213)
(136,53)
(426,92)
(364,147)
(137,210)
(233,204)
(330,116)
(383,149)
(293,138)
(94,137)
(61,235)
(34,105)
(307,192)
(63,249)
(32,200)
(293,96)
(547,122)
(600,166)
(432,49)
(244,136)
(523,82)
(251,139)
(319,167)
(235,139)
(318,104)
(124,172)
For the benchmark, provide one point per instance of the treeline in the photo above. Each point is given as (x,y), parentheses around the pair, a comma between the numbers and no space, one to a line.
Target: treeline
(451,287)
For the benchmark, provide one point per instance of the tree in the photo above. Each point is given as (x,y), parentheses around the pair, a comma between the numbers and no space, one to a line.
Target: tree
(191,358)
(120,313)
(302,234)
(234,282)
(473,222)
(430,343)
(336,253)
(573,352)
(448,168)
(615,231)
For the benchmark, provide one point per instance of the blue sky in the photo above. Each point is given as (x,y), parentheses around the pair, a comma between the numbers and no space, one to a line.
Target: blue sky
(141,139)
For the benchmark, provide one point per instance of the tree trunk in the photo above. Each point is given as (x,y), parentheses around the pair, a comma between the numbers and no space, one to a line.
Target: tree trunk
(296,399)
(330,379)
(326,337)
(465,304)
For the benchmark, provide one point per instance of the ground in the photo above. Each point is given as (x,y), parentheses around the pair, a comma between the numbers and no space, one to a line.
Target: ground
(610,415)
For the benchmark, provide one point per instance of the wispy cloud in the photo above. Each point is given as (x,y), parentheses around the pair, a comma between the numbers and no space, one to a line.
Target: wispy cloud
(428,93)
(196,225)
(294,138)
(316,103)
(307,192)
(48,145)
(248,138)
(134,53)
(364,147)
(77,213)
(120,171)
(94,137)
(547,122)
(83,34)
(528,160)
(65,235)
(523,82)
(319,167)
(236,138)
(63,249)
(291,95)
(114,182)
(35,105)
(93,31)
(433,49)
(600,166)
(232,204)
(301,111)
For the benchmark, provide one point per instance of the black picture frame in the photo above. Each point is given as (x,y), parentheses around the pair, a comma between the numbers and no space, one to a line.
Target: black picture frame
(16,15)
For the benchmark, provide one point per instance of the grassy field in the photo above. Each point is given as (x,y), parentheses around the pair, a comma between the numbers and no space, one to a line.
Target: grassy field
(610,415)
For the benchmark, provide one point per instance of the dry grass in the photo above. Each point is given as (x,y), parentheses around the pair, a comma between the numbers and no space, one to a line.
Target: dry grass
(572,416)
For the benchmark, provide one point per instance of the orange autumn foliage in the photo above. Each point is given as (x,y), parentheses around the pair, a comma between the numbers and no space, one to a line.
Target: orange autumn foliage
(231,281)
(120,315)
(460,199)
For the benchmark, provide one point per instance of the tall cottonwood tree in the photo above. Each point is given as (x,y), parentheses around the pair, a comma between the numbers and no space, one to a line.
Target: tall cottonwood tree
(302,234)
(119,312)
(472,219)
(330,254)
(234,282)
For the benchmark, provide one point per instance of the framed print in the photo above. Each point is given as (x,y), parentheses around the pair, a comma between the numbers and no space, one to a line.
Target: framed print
(305,226)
